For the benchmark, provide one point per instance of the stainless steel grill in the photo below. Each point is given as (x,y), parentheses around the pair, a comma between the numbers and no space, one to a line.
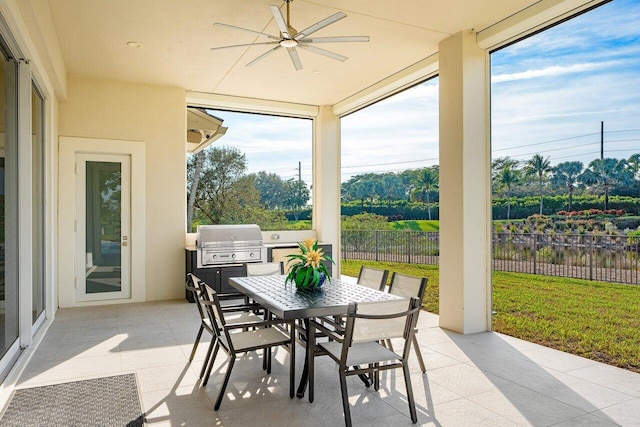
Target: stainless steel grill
(229,244)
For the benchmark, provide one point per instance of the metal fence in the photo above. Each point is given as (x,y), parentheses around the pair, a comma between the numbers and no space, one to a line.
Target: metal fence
(592,257)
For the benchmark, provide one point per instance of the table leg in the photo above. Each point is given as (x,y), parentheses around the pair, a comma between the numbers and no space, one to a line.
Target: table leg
(305,371)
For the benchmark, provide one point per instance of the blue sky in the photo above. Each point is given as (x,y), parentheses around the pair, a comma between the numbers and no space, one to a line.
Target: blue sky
(549,94)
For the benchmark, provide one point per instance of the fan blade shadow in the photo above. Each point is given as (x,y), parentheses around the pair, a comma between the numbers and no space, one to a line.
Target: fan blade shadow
(324,52)
(241,45)
(233,27)
(337,39)
(320,25)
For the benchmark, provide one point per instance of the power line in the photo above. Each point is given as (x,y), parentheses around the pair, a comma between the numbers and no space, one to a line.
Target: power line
(547,142)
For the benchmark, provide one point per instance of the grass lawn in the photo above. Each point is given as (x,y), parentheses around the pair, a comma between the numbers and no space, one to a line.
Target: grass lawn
(417,225)
(600,321)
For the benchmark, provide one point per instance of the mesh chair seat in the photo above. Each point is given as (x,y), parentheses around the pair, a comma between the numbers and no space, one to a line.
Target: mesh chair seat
(361,353)
(259,338)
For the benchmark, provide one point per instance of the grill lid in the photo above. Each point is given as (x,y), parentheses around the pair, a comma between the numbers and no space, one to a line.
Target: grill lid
(228,234)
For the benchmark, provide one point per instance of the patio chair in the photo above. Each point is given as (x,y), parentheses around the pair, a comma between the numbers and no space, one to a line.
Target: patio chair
(359,351)
(409,286)
(235,314)
(264,335)
(372,278)
(263,268)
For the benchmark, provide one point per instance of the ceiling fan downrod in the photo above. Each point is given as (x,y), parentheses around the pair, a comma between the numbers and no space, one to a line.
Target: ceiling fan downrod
(292,31)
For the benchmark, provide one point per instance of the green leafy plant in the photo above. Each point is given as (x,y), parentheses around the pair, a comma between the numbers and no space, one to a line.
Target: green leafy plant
(306,268)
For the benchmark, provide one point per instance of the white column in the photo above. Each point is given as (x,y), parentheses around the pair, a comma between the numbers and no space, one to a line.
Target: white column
(465,190)
(326,181)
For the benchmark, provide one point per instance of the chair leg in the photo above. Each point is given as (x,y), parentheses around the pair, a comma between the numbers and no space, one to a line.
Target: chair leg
(210,366)
(265,356)
(416,347)
(195,344)
(232,360)
(376,377)
(407,382)
(345,399)
(208,356)
(269,360)
(389,345)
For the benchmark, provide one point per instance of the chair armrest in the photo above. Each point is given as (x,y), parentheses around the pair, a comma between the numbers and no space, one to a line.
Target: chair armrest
(334,335)
(240,307)
(258,324)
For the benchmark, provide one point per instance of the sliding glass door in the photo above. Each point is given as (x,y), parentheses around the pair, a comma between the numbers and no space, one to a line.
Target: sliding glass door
(9,321)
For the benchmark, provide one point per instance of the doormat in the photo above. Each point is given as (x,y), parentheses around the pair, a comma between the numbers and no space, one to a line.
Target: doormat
(109,401)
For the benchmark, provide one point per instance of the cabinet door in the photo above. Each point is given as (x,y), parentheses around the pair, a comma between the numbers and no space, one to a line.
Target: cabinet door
(225,274)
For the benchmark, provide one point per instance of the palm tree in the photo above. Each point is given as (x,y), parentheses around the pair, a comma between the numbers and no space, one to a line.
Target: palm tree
(428,181)
(605,174)
(390,187)
(507,178)
(538,166)
(633,164)
(565,175)
(497,165)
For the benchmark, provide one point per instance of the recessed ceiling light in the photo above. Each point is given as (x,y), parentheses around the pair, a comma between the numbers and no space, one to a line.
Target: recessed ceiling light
(134,44)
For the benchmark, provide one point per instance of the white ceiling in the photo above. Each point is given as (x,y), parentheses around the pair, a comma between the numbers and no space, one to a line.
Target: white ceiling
(177,36)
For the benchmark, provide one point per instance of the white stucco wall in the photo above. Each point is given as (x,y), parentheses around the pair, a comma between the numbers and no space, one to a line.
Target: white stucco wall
(105,109)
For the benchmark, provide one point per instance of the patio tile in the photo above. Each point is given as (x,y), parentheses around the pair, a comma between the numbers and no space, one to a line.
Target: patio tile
(586,420)
(612,377)
(625,413)
(184,406)
(463,412)
(480,379)
(166,377)
(523,406)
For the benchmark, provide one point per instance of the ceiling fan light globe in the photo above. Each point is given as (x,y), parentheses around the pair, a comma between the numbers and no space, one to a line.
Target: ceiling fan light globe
(288,43)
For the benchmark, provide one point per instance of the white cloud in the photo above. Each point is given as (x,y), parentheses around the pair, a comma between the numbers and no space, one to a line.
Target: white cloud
(553,71)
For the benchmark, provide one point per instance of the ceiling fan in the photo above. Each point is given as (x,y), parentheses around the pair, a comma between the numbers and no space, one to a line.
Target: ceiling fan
(290,39)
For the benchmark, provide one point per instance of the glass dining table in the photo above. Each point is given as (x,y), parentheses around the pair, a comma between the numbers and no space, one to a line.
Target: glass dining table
(285,302)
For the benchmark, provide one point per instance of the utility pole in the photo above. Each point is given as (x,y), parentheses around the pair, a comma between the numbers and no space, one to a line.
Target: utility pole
(601,140)
(299,185)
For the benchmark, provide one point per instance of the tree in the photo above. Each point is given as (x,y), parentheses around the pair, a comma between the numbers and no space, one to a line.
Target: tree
(223,186)
(506,179)
(390,188)
(194,169)
(296,195)
(427,180)
(497,165)
(603,174)
(565,175)
(538,166)
(271,188)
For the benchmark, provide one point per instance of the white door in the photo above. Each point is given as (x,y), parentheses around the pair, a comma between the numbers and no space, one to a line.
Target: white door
(102,226)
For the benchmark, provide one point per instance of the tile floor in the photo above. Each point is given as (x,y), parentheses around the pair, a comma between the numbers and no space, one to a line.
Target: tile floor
(485,379)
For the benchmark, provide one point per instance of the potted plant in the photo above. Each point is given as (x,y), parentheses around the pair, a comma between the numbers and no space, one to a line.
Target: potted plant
(306,268)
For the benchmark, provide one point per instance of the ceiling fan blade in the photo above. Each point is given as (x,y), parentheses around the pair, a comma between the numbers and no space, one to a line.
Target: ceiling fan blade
(293,54)
(282,25)
(338,39)
(320,25)
(261,57)
(233,27)
(241,45)
(324,52)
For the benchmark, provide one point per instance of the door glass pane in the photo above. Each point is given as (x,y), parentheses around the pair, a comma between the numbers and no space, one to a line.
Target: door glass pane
(8,204)
(37,150)
(103,227)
